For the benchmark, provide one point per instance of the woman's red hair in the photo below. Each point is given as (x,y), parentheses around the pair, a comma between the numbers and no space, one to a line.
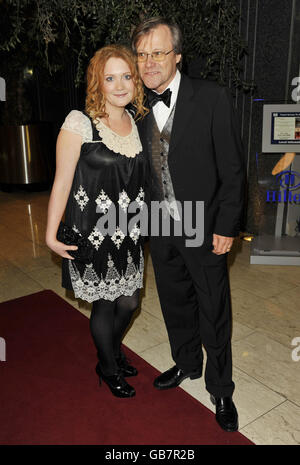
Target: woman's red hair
(95,100)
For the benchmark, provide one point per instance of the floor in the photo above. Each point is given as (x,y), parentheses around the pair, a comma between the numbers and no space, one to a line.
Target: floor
(266,304)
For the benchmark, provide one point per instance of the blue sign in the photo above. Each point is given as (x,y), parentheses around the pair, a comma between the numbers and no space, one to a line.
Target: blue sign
(288,182)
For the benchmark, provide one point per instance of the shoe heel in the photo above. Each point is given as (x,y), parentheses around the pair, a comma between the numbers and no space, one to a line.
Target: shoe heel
(99,375)
(116,384)
(195,376)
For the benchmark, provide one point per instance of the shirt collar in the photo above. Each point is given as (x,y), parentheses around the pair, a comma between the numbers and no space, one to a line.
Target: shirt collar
(174,84)
(174,87)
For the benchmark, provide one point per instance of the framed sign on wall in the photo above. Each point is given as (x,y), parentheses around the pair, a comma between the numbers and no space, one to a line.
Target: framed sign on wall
(281,128)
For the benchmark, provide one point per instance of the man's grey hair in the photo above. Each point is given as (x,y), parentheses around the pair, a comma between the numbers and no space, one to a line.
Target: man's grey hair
(152,23)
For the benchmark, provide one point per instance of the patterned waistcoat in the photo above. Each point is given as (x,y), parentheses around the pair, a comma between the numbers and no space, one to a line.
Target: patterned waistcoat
(160,150)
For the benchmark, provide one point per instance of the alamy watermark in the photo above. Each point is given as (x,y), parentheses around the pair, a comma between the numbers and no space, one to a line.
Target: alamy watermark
(2,350)
(153,221)
(2,90)
(296,351)
(296,91)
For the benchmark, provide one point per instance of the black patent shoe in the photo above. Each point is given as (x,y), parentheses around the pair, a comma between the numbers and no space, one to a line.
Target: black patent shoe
(226,413)
(173,377)
(127,370)
(116,383)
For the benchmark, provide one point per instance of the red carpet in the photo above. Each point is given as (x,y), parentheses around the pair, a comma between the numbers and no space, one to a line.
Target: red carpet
(50,394)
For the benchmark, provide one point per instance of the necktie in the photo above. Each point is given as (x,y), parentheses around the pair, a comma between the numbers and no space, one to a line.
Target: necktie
(153,98)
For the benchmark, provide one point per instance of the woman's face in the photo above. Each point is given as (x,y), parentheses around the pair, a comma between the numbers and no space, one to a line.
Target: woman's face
(118,87)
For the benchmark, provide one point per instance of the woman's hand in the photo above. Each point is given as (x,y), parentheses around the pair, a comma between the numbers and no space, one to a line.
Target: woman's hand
(60,248)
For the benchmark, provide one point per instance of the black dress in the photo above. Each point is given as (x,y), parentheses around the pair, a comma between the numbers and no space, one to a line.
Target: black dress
(106,181)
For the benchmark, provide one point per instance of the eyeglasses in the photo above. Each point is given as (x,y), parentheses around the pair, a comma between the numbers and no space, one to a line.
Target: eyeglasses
(156,56)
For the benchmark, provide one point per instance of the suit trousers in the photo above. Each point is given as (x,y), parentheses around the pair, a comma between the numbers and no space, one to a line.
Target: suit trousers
(196,306)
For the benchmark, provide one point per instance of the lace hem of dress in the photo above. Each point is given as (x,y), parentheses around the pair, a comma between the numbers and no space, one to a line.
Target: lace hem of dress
(130,145)
(91,287)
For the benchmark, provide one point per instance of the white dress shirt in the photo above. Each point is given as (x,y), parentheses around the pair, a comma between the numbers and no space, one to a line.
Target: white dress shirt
(160,111)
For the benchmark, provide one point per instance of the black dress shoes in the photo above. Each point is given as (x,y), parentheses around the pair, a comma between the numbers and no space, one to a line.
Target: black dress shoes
(226,413)
(127,370)
(173,377)
(116,383)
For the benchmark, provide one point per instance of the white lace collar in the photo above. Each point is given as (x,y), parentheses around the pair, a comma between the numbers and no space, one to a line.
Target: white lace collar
(129,145)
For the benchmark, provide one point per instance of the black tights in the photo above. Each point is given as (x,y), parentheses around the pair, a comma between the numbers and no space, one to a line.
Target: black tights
(108,324)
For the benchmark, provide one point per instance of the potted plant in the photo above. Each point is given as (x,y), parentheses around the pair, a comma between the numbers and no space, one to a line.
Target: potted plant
(39,38)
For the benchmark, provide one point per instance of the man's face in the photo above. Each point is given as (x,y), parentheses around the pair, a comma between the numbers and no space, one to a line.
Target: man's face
(157,75)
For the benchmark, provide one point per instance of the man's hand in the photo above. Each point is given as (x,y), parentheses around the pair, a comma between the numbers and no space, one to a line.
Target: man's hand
(222,244)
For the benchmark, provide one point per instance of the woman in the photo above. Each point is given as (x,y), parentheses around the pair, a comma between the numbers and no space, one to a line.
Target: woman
(101,168)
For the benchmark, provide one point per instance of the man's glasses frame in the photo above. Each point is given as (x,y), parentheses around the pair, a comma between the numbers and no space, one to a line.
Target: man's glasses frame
(158,55)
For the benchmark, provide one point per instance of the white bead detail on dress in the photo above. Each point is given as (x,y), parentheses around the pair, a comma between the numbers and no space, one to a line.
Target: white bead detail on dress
(91,287)
(135,233)
(118,237)
(140,198)
(103,202)
(96,237)
(81,197)
(124,200)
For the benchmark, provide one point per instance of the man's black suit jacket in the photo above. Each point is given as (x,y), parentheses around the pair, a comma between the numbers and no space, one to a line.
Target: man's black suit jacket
(205,156)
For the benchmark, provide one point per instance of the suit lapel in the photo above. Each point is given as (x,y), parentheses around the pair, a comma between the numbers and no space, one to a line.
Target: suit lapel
(182,111)
(182,114)
(149,121)
(145,131)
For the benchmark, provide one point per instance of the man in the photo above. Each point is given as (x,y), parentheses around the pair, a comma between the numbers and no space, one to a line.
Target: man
(196,156)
